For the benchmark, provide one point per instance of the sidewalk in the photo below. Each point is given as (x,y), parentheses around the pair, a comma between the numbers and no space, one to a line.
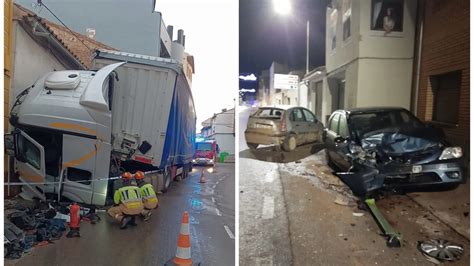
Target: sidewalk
(451,207)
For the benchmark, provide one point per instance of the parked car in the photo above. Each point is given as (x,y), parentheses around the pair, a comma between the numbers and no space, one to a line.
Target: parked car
(284,126)
(388,147)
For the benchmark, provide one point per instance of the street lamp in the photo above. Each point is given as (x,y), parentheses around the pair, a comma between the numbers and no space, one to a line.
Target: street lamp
(283,7)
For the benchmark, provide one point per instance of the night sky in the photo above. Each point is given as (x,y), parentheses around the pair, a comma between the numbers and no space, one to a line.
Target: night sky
(265,36)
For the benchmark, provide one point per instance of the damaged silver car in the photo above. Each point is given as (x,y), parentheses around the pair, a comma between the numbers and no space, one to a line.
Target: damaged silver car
(389,148)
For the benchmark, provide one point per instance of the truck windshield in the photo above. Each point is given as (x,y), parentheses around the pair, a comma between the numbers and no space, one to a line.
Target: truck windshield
(204,146)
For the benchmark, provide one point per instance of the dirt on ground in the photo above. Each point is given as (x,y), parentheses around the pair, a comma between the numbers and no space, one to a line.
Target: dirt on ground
(327,228)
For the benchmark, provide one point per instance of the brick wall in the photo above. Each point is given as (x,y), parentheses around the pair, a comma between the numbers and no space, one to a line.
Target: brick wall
(445,48)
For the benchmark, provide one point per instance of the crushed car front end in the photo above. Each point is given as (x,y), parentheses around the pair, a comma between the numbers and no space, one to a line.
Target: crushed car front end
(415,158)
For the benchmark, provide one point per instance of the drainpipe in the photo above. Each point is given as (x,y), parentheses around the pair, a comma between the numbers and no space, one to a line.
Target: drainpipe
(418,55)
(39,30)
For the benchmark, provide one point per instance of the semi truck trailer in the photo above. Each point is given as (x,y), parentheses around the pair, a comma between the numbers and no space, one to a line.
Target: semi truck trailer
(75,129)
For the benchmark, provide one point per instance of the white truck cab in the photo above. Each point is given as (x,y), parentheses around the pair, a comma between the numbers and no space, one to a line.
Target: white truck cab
(62,135)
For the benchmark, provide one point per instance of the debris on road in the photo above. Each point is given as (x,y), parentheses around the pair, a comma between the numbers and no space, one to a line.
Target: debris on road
(358,214)
(341,201)
(441,250)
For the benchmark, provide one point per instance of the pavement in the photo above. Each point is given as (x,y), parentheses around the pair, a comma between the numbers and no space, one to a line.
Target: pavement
(316,220)
(211,207)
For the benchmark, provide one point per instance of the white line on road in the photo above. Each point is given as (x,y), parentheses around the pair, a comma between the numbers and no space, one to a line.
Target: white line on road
(231,235)
(218,212)
(214,186)
(213,200)
(268,209)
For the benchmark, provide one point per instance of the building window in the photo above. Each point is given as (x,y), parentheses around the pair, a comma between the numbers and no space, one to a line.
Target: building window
(387,15)
(346,19)
(446,91)
(333,31)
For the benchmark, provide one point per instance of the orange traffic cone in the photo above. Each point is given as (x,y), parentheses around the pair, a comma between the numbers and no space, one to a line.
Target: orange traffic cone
(183,253)
(202,179)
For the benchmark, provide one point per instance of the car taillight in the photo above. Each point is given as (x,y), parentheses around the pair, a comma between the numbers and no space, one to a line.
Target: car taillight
(283,124)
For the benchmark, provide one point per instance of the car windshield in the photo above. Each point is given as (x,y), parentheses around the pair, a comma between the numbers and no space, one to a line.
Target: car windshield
(369,123)
(204,146)
(272,113)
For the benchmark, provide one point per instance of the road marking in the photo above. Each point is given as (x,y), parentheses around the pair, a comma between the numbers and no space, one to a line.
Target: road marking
(231,235)
(217,183)
(218,212)
(269,177)
(268,209)
(213,200)
(214,186)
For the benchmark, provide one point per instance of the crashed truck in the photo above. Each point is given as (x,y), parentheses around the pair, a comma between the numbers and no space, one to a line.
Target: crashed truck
(75,129)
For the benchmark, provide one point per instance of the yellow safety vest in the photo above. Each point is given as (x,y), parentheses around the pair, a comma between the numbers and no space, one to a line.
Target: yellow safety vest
(129,196)
(148,193)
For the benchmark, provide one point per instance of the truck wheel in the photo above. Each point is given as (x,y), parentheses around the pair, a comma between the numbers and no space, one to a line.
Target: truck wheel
(252,146)
(290,143)
(166,181)
(185,171)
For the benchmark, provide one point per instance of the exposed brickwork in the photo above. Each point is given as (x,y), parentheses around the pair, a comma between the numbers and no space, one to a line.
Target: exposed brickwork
(445,48)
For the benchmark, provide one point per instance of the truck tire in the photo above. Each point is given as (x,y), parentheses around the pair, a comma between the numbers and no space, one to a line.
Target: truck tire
(166,181)
(289,144)
(184,174)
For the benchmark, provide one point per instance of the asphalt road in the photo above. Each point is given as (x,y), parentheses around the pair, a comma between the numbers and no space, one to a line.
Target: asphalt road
(212,228)
(289,215)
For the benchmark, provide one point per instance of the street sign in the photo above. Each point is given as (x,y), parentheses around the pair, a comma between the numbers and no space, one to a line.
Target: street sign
(286,82)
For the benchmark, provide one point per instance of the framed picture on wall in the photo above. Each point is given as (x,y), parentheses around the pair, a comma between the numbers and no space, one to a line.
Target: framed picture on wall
(387,16)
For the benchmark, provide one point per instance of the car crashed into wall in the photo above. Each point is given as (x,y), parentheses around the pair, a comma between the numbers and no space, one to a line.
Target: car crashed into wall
(389,148)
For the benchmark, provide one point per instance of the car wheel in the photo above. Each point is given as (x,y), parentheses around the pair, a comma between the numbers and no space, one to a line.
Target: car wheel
(290,143)
(252,146)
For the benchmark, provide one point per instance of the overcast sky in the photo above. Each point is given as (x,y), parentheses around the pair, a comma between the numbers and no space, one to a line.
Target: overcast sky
(211,29)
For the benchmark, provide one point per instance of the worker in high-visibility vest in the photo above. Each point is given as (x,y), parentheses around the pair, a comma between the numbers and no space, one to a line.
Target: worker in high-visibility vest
(128,202)
(150,201)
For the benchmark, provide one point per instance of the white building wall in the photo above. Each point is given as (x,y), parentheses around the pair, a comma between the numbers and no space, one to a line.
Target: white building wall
(30,61)
(223,130)
(226,142)
(303,95)
(375,67)
(384,83)
(345,51)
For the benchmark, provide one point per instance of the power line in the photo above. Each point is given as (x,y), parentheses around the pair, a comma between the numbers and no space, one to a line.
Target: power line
(72,32)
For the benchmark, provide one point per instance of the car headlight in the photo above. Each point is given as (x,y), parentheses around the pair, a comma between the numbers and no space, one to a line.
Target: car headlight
(194,161)
(212,161)
(451,153)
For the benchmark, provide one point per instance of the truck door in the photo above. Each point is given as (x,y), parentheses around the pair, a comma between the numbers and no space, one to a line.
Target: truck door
(79,165)
(30,160)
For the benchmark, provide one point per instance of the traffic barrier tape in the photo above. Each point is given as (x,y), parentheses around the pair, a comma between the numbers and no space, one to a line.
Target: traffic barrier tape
(69,181)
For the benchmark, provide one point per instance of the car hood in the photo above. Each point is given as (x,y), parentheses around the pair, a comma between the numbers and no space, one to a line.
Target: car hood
(402,140)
